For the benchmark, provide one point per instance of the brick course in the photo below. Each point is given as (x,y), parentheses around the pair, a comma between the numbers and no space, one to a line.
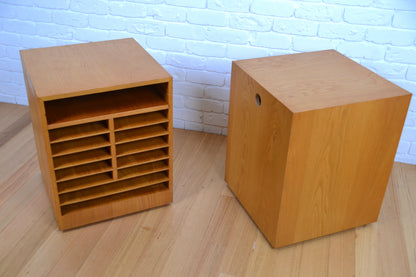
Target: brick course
(196,41)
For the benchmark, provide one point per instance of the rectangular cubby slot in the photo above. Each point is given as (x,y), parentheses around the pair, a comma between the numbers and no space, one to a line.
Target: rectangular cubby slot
(140,170)
(143,158)
(78,131)
(111,188)
(85,182)
(85,157)
(82,170)
(140,120)
(153,189)
(79,145)
(141,146)
(73,109)
(100,192)
(141,133)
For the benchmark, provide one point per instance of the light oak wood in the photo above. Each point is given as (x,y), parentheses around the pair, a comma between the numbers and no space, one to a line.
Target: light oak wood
(204,232)
(141,146)
(84,122)
(78,131)
(76,110)
(82,170)
(81,158)
(311,143)
(85,182)
(318,75)
(140,120)
(73,70)
(112,189)
(142,158)
(141,133)
(113,148)
(143,169)
(79,145)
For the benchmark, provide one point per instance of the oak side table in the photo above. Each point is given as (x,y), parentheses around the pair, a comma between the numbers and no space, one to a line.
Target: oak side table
(311,143)
(102,120)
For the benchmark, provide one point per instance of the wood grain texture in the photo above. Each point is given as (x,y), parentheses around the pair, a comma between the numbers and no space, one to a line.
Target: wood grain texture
(83,119)
(141,133)
(141,146)
(41,138)
(12,120)
(71,70)
(112,189)
(78,131)
(311,156)
(80,145)
(77,110)
(339,174)
(204,232)
(82,158)
(256,150)
(82,170)
(142,158)
(323,79)
(140,120)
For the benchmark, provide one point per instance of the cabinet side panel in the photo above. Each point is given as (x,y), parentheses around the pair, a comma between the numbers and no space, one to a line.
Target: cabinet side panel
(257,145)
(339,164)
(41,141)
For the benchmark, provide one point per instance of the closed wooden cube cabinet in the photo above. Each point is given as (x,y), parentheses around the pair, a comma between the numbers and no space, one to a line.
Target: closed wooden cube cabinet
(311,143)
(102,120)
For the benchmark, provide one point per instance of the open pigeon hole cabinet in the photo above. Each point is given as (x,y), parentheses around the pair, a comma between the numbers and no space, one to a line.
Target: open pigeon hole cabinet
(101,115)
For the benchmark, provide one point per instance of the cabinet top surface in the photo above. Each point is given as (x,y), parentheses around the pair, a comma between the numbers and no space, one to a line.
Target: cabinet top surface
(70,70)
(316,80)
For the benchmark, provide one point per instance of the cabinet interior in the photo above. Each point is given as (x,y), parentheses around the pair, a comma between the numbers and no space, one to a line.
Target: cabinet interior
(109,146)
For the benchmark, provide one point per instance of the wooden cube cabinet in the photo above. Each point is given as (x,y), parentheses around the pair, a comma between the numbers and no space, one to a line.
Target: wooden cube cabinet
(102,120)
(311,143)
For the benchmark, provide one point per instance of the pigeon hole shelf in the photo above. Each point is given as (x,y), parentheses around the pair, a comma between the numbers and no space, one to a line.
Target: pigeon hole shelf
(102,122)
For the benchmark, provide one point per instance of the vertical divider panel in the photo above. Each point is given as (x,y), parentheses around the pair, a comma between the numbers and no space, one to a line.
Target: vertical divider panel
(113,147)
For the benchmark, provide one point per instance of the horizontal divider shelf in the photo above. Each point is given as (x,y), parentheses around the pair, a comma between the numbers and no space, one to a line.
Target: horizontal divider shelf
(85,157)
(140,120)
(82,170)
(75,109)
(151,189)
(112,188)
(141,133)
(79,145)
(105,178)
(142,158)
(141,146)
(85,182)
(78,131)
(144,169)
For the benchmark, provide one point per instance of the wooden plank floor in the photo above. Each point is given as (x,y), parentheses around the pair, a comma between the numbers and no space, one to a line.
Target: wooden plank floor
(205,232)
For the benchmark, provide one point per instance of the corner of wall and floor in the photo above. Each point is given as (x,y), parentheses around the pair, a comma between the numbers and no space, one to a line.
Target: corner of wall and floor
(196,41)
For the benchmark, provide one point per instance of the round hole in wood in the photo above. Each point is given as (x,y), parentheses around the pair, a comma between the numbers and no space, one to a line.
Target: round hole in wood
(258,99)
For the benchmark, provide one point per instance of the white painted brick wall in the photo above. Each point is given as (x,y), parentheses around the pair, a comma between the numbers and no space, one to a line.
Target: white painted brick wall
(196,41)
